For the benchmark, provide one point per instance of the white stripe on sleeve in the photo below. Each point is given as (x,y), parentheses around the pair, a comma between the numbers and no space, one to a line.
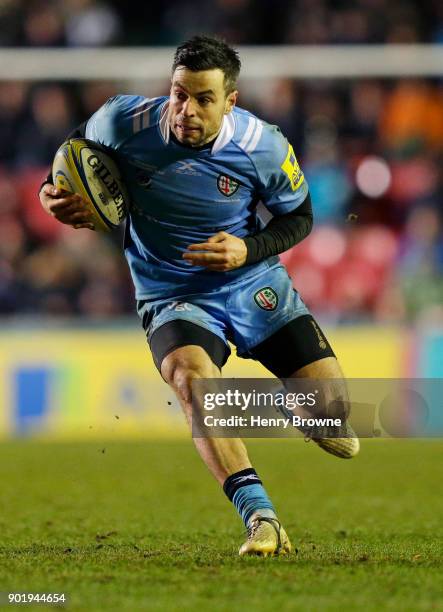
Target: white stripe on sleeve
(254,140)
(249,130)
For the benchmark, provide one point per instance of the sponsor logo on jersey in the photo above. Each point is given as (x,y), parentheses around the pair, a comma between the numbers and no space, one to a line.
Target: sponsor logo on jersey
(185,167)
(266,298)
(227,185)
(292,170)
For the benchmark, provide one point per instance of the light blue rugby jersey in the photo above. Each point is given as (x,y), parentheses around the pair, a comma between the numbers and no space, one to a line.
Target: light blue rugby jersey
(181,196)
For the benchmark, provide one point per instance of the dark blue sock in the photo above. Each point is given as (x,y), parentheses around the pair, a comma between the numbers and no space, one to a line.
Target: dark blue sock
(246,491)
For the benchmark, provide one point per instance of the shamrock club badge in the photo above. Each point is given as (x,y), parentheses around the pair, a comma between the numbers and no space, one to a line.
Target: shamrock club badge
(266,298)
(227,185)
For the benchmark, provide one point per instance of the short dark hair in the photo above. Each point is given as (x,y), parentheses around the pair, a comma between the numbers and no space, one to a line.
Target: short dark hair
(207,53)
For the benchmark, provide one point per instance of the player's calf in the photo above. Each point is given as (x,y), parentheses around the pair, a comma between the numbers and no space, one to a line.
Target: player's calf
(227,459)
(334,403)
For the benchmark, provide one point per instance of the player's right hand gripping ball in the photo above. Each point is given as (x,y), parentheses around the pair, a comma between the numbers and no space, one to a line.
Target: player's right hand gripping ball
(84,167)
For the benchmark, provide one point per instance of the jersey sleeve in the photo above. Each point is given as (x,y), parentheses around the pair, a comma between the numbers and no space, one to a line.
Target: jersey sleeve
(114,122)
(282,184)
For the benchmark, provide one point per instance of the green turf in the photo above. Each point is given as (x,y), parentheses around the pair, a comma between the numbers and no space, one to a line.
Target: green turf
(142,526)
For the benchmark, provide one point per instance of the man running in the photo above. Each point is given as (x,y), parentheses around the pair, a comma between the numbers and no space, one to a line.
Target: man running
(205,269)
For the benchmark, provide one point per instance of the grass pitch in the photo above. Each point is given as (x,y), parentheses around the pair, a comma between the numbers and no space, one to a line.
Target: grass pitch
(142,526)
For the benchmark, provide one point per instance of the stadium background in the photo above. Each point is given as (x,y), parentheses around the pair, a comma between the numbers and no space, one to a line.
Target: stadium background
(73,358)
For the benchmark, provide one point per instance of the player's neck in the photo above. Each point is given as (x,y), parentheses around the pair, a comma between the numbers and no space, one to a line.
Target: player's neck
(207,145)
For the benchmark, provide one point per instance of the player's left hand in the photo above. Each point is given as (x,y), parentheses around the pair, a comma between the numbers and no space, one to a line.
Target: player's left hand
(221,252)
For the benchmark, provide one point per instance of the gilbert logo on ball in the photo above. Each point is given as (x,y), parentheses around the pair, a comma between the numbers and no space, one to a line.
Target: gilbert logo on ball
(266,298)
(85,167)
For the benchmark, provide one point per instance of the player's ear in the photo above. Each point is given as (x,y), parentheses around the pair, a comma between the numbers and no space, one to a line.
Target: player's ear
(230,101)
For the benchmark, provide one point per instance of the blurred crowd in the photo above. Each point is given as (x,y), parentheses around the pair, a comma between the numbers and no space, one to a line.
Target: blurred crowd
(104,22)
(371,151)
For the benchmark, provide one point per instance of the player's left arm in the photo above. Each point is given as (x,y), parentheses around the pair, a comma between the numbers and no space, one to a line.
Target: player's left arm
(221,252)
(283,189)
(281,233)
(224,251)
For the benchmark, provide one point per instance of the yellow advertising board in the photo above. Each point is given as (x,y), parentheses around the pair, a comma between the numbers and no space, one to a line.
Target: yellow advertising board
(98,382)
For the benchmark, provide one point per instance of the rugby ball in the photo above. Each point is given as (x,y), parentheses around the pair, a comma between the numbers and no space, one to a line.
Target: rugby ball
(85,167)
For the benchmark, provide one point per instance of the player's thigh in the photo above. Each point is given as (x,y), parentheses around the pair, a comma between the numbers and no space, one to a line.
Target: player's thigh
(170,325)
(272,325)
(300,349)
(201,342)
(295,347)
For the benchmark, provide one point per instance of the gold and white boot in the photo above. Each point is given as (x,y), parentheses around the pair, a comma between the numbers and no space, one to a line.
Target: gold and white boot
(266,537)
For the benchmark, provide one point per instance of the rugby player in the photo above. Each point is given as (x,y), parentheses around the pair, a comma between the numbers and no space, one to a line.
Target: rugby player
(205,270)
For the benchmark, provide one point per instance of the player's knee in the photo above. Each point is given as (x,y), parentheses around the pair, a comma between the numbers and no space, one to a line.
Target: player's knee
(182,381)
(180,374)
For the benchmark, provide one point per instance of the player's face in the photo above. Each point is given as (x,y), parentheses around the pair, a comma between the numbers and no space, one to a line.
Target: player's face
(197,104)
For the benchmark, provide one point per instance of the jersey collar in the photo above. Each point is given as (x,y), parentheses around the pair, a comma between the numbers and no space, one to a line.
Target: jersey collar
(163,123)
(226,133)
